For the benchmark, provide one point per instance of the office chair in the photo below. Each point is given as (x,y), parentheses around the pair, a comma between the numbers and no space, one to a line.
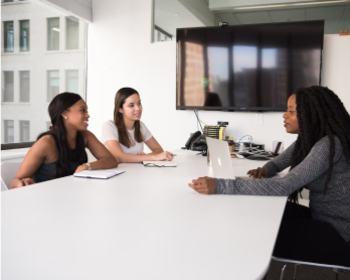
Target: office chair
(336,268)
(8,171)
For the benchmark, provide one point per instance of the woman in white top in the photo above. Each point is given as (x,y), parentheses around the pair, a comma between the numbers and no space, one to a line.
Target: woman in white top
(126,135)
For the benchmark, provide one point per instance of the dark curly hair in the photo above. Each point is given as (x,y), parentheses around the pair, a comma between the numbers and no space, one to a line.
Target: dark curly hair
(320,113)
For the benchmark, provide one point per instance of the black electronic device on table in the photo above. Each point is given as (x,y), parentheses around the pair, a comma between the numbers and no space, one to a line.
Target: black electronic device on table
(240,67)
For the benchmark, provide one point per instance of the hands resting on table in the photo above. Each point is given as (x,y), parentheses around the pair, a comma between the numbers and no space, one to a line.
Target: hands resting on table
(21,182)
(207,185)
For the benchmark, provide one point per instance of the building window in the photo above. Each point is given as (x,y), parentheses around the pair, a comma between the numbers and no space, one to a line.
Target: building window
(24,35)
(7,1)
(7,94)
(72,34)
(8,36)
(72,81)
(160,35)
(53,84)
(24,92)
(9,131)
(53,36)
(24,131)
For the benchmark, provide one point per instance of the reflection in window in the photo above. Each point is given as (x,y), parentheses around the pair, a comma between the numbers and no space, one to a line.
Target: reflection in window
(72,34)
(160,35)
(72,81)
(53,37)
(7,95)
(24,131)
(24,35)
(53,82)
(269,57)
(244,57)
(218,65)
(24,93)
(9,131)
(195,82)
(245,62)
(8,36)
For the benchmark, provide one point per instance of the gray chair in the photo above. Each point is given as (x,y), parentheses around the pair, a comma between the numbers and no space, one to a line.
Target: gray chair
(8,172)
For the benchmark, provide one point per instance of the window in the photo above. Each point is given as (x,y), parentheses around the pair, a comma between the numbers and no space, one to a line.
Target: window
(7,1)
(24,35)
(35,71)
(8,36)
(8,131)
(7,95)
(53,83)
(24,93)
(72,33)
(72,81)
(24,131)
(53,37)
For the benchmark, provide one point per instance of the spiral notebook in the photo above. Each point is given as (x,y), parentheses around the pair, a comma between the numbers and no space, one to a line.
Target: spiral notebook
(160,163)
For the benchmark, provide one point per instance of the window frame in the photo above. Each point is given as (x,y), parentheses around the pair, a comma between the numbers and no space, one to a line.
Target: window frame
(4,87)
(21,72)
(21,37)
(48,33)
(4,36)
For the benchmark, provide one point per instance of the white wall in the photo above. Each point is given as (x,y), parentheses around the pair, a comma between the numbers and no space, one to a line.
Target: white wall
(120,54)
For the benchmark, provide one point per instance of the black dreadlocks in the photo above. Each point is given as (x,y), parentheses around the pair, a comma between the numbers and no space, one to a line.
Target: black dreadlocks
(320,113)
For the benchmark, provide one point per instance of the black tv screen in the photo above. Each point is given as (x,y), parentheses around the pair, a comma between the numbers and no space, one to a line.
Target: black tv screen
(246,67)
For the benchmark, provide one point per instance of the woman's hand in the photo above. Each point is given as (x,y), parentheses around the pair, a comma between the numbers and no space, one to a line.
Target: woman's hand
(24,182)
(258,173)
(141,154)
(164,156)
(81,168)
(204,185)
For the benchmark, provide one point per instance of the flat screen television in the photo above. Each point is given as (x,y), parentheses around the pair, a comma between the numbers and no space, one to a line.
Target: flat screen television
(246,67)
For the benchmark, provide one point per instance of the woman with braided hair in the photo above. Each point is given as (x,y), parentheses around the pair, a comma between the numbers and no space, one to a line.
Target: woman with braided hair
(319,160)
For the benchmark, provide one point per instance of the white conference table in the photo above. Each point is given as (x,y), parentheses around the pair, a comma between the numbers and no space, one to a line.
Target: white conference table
(144,224)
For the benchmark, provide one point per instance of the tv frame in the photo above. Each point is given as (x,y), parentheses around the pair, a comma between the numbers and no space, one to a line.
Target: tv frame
(238,109)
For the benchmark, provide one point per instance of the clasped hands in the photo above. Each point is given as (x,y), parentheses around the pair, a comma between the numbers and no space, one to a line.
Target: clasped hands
(207,185)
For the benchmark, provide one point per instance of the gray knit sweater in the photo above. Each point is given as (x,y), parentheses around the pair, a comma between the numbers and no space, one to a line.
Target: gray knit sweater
(333,207)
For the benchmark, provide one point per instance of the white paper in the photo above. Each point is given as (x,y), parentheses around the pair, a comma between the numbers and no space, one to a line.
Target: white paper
(160,163)
(100,174)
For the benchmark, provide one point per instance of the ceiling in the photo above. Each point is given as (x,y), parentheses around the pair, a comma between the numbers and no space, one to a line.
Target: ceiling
(194,13)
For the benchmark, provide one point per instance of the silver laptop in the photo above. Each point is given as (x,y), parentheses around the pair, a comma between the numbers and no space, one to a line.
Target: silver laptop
(221,160)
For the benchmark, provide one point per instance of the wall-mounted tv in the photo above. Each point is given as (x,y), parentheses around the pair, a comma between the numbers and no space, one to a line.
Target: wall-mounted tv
(246,67)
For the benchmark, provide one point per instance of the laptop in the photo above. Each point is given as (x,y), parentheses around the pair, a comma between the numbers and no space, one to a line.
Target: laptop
(221,160)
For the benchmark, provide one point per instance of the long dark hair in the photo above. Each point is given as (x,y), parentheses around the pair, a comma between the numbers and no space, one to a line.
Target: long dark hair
(57,106)
(124,137)
(320,113)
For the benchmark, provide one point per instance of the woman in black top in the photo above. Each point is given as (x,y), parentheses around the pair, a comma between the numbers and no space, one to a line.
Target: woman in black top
(61,151)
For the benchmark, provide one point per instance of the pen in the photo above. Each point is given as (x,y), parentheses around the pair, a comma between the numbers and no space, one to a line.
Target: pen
(173,155)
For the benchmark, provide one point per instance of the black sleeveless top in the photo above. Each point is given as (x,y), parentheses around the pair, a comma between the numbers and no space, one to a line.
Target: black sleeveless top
(47,171)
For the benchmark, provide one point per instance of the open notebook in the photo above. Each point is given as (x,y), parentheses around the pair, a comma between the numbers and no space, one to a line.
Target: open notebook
(99,174)
(160,163)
